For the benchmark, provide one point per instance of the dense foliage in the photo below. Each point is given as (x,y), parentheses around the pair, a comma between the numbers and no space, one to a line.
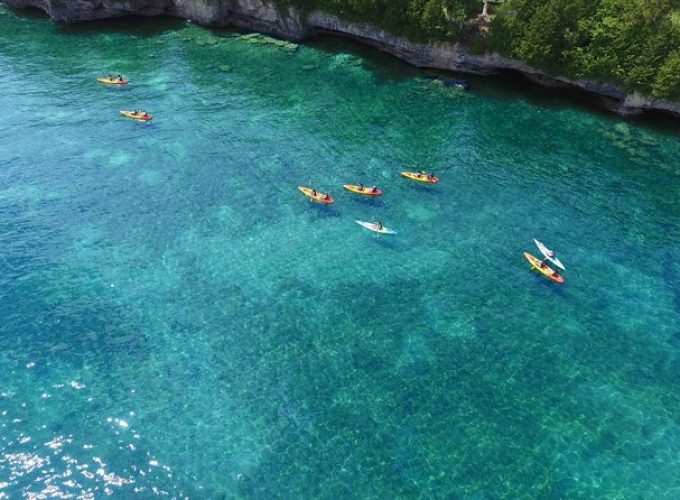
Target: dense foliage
(634,43)
(420,20)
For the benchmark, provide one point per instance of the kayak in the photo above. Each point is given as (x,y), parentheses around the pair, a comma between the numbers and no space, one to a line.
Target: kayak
(549,254)
(372,226)
(110,81)
(415,176)
(545,271)
(143,116)
(319,197)
(366,191)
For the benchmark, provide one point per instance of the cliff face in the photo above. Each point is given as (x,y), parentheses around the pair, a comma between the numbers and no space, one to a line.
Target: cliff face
(252,14)
(267,16)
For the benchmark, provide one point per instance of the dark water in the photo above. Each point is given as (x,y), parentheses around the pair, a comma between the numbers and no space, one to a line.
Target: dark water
(178,320)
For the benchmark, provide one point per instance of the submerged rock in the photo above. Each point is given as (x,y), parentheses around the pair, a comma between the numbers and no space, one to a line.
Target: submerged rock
(259,39)
(346,60)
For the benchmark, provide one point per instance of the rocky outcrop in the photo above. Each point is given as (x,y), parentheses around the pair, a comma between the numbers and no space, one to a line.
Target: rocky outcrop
(259,15)
(268,16)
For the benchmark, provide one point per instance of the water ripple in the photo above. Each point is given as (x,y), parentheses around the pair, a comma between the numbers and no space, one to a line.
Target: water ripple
(178,321)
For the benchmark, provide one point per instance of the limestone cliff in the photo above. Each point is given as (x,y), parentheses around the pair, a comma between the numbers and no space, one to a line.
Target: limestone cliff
(268,16)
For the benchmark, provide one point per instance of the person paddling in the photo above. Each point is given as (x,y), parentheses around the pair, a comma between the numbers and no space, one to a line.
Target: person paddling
(550,254)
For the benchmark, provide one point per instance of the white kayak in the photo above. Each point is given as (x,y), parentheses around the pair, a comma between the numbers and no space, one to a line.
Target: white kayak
(372,226)
(549,254)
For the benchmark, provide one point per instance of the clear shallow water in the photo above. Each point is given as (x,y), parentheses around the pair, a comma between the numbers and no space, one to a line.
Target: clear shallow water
(177,319)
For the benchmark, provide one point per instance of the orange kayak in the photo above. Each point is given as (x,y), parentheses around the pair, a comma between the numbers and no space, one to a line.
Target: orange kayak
(324,198)
(417,176)
(143,115)
(546,271)
(366,191)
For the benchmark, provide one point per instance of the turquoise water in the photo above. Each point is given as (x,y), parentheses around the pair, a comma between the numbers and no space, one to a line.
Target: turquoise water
(177,320)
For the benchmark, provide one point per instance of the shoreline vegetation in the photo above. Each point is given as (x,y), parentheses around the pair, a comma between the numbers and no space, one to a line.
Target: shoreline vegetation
(627,51)
(634,44)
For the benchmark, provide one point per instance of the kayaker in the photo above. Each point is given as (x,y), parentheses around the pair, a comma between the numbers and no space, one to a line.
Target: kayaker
(313,192)
(548,254)
(378,225)
(374,189)
(430,177)
(551,255)
(361,187)
(325,196)
(556,273)
(543,264)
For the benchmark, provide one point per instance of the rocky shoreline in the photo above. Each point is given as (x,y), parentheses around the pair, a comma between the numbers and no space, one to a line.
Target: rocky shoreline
(291,23)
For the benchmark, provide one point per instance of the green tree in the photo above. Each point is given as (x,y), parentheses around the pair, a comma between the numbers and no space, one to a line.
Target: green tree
(667,83)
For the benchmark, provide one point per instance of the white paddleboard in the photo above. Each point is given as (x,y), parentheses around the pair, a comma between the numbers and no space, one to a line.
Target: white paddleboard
(546,253)
(371,226)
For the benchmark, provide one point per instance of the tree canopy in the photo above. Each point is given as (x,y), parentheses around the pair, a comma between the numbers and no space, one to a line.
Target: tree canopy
(635,43)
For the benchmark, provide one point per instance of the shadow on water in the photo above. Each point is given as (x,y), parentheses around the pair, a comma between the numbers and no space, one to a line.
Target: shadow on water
(505,86)
(512,86)
(29,13)
(386,241)
(393,242)
(367,201)
(318,211)
(422,188)
(131,25)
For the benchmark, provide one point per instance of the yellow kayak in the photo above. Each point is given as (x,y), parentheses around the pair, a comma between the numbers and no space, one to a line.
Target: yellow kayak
(366,191)
(417,176)
(135,115)
(314,195)
(112,81)
(546,271)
